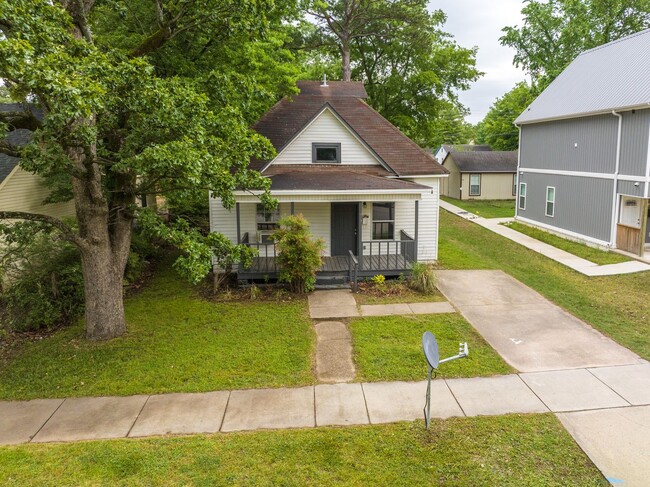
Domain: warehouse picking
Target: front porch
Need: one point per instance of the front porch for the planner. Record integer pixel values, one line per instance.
(389, 258)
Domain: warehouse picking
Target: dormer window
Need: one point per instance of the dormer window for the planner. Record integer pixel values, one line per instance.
(325, 153)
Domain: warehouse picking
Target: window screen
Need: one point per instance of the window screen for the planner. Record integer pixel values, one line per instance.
(383, 221)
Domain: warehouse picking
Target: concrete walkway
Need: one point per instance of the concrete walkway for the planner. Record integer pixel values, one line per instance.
(578, 264)
(340, 303)
(50, 420)
(528, 331)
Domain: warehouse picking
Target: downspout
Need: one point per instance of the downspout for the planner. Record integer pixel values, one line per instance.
(612, 242)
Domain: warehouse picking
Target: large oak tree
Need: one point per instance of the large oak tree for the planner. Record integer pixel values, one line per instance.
(117, 117)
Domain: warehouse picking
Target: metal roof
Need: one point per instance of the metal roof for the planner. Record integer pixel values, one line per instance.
(614, 76)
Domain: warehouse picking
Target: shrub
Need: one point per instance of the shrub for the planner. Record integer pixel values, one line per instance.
(45, 286)
(379, 281)
(299, 254)
(423, 278)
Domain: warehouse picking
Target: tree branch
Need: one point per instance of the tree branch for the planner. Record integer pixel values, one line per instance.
(66, 232)
(20, 120)
(9, 149)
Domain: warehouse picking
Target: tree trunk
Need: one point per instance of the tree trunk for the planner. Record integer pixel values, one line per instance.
(345, 61)
(103, 274)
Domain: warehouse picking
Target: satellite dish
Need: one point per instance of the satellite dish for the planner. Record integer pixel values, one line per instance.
(430, 348)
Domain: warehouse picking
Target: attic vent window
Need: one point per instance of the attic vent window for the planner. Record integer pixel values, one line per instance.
(326, 153)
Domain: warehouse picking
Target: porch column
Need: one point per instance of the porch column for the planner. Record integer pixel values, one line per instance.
(417, 220)
(238, 225)
(293, 208)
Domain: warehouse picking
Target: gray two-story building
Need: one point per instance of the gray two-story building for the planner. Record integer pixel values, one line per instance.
(584, 150)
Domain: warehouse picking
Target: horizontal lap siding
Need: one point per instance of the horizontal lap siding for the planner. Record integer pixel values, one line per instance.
(582, 205)
(326, 129)
(428, 220)
(319, 217)
(494, 186)
(24, 191)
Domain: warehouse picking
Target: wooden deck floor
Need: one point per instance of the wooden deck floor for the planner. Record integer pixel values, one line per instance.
(338, 264)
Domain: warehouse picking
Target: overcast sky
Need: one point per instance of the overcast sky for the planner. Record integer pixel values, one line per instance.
(479, 23)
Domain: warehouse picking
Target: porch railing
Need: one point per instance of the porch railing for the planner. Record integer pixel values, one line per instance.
(388, 255)
(352, 271)
(266, 260)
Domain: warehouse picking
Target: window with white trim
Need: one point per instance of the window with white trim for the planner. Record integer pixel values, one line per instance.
(475, 185)
(550, 201)
(514, 184)
(383, 221)
(522, 196)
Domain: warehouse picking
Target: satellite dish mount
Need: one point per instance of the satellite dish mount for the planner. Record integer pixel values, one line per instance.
(432, 354)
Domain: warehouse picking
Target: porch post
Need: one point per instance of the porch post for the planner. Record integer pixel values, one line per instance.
(238, 225)
(417, 221)
(360, 230)
(293, 208)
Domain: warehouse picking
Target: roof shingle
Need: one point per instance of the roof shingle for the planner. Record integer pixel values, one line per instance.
(492, 161)
(285, 120)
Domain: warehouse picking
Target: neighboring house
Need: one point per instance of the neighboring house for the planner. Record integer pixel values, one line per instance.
(480, 175)
(445, 149)
(21, 190)
(366, 189)
(584, 148)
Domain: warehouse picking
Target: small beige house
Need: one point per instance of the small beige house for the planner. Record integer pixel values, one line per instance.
(21, 190)
(487, 175)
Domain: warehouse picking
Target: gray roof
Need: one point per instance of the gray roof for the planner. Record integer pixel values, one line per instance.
(466, 148)
(18, 137)
(493, 161)
(614, 76)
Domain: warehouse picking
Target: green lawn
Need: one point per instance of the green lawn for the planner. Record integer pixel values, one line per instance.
(485, 208)
(390, 348)
(619, 306)
(515, 450)
(596, 256)
(176, 342)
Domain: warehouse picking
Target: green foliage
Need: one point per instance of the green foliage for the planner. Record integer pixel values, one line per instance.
(379, 281)
(44, 282)
(411, 67)
(423, 279)
(198, 251)
(555, 32)
(497, 129)
(299, 254)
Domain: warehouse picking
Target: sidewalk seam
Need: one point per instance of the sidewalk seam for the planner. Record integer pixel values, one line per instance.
(137, 416)
(47, 420)
(365, 401)
(608, 386)
(225, 409)
(534, 393)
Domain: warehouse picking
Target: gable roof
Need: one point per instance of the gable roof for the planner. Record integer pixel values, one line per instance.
(492, 161)
(614, 76)
(288, 117)
(466, 147)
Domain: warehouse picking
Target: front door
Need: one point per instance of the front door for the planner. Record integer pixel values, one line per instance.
(344, 228)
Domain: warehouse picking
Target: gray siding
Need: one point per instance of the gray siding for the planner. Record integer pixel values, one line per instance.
(628, 188)
(634, 142)
(582, 205)
(551, 145)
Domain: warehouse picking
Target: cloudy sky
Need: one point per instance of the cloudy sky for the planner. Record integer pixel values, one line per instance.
(479, 23)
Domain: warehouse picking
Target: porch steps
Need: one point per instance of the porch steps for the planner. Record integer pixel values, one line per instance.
(332, 281)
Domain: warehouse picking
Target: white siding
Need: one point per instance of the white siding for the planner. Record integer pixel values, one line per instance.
(404, 220)
(222, 220)
(319, 217)
(326, 128)
(428, 220)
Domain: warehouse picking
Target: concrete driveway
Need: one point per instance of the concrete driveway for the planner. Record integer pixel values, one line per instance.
(529, 332)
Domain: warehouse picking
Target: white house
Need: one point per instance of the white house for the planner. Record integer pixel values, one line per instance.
(366, 189)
